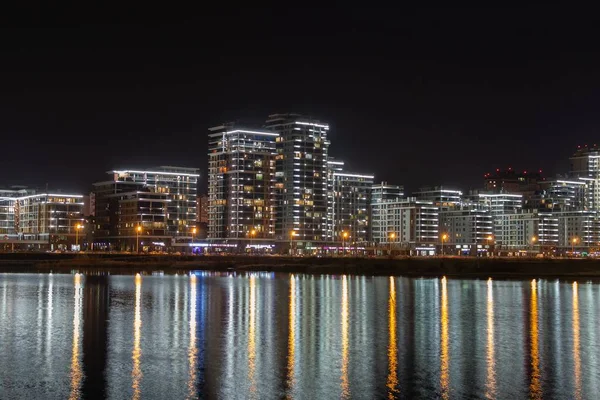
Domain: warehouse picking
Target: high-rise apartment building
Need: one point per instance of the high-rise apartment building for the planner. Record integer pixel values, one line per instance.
(406, 225)
(468, 230)
(41, 220)
(165, 205)
(301, 177)
(351, 193)
(585, 166)
(241, 183)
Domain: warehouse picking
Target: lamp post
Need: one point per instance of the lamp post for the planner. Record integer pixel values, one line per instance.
(392, 237)
(573, 243)
(252, 234)
(138, 229)
(194, 230)
(77, 228)
(292, 233)
(489, 239)
(444, 238)
(344, 237)
(533, 240)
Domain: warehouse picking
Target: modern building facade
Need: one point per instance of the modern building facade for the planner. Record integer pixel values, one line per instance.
(241, 183)
(467, 230)
(181, 187)
(301, 178)
(40, 220)
(585, 166)
(442, 197)
(517, 231)
(407, 225)
(351, 198)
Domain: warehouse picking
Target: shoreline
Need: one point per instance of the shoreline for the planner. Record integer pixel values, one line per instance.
(451, 267)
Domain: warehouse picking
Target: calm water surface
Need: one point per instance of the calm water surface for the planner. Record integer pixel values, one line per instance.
(294, 336)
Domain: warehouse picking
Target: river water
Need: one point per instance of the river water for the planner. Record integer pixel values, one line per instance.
(267, 335)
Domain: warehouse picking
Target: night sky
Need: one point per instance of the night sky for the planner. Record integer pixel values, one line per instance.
(415, 96)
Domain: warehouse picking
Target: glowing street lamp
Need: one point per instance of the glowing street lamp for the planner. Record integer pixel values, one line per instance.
(77, 228)
(138, 229)
(392, 237)
(194, 230)
(489, 239)
(252, 234)
(573, 243)
(344, 237)
(444, 238)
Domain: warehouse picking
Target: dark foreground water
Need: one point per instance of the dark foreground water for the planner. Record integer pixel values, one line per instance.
(293, 336)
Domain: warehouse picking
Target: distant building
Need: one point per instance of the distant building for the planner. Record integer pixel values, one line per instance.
(301, 178)
(585, 166)
(517, 231)
(350, 205)
(40, 220)
(406, 225)
(468, 230)
(511, 181)
(241, 183)
(161, 200)
(442, 197)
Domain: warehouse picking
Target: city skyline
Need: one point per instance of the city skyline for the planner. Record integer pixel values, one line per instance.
(425, 88)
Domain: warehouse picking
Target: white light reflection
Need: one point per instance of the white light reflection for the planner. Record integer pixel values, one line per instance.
(345, 384)
(136, 373)
(193, 349)
(490, 386)
(76, 370)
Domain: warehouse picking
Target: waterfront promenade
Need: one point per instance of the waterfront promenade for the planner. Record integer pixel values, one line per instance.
(463, 267)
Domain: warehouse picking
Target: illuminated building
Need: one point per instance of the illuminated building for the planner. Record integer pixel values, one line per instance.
(517, 231)
(468, 229)
(499, 203)
(442, 197)
(333, 166)
(408, 225)
(301, 177)
(350, 205)
(127, 212)
(40, 220)
(586, 167)
(181, 187)
(241, 179)
(558, 195)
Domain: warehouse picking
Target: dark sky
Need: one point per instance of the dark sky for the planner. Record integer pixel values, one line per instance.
(416, 96)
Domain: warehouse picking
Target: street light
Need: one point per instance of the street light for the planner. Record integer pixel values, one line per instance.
(444, 238)
(252, 234)
(489, 239)
(573, 243)
(194, 230)
(138, 229)
(77, 228)
(392, 237)
(344, 237)
(533, 240)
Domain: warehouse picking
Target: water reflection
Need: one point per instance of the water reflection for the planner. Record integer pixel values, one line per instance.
(291, 358)
(244, 336)
(252, 337)
(535, 388)
(193, 349)
(136, 373)
(576, 355)
(392, 380)
(345, 385)
(490, 385)
(76, 370)
(444, 353)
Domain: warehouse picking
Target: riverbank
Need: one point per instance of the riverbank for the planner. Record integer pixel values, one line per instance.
(456, 267)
